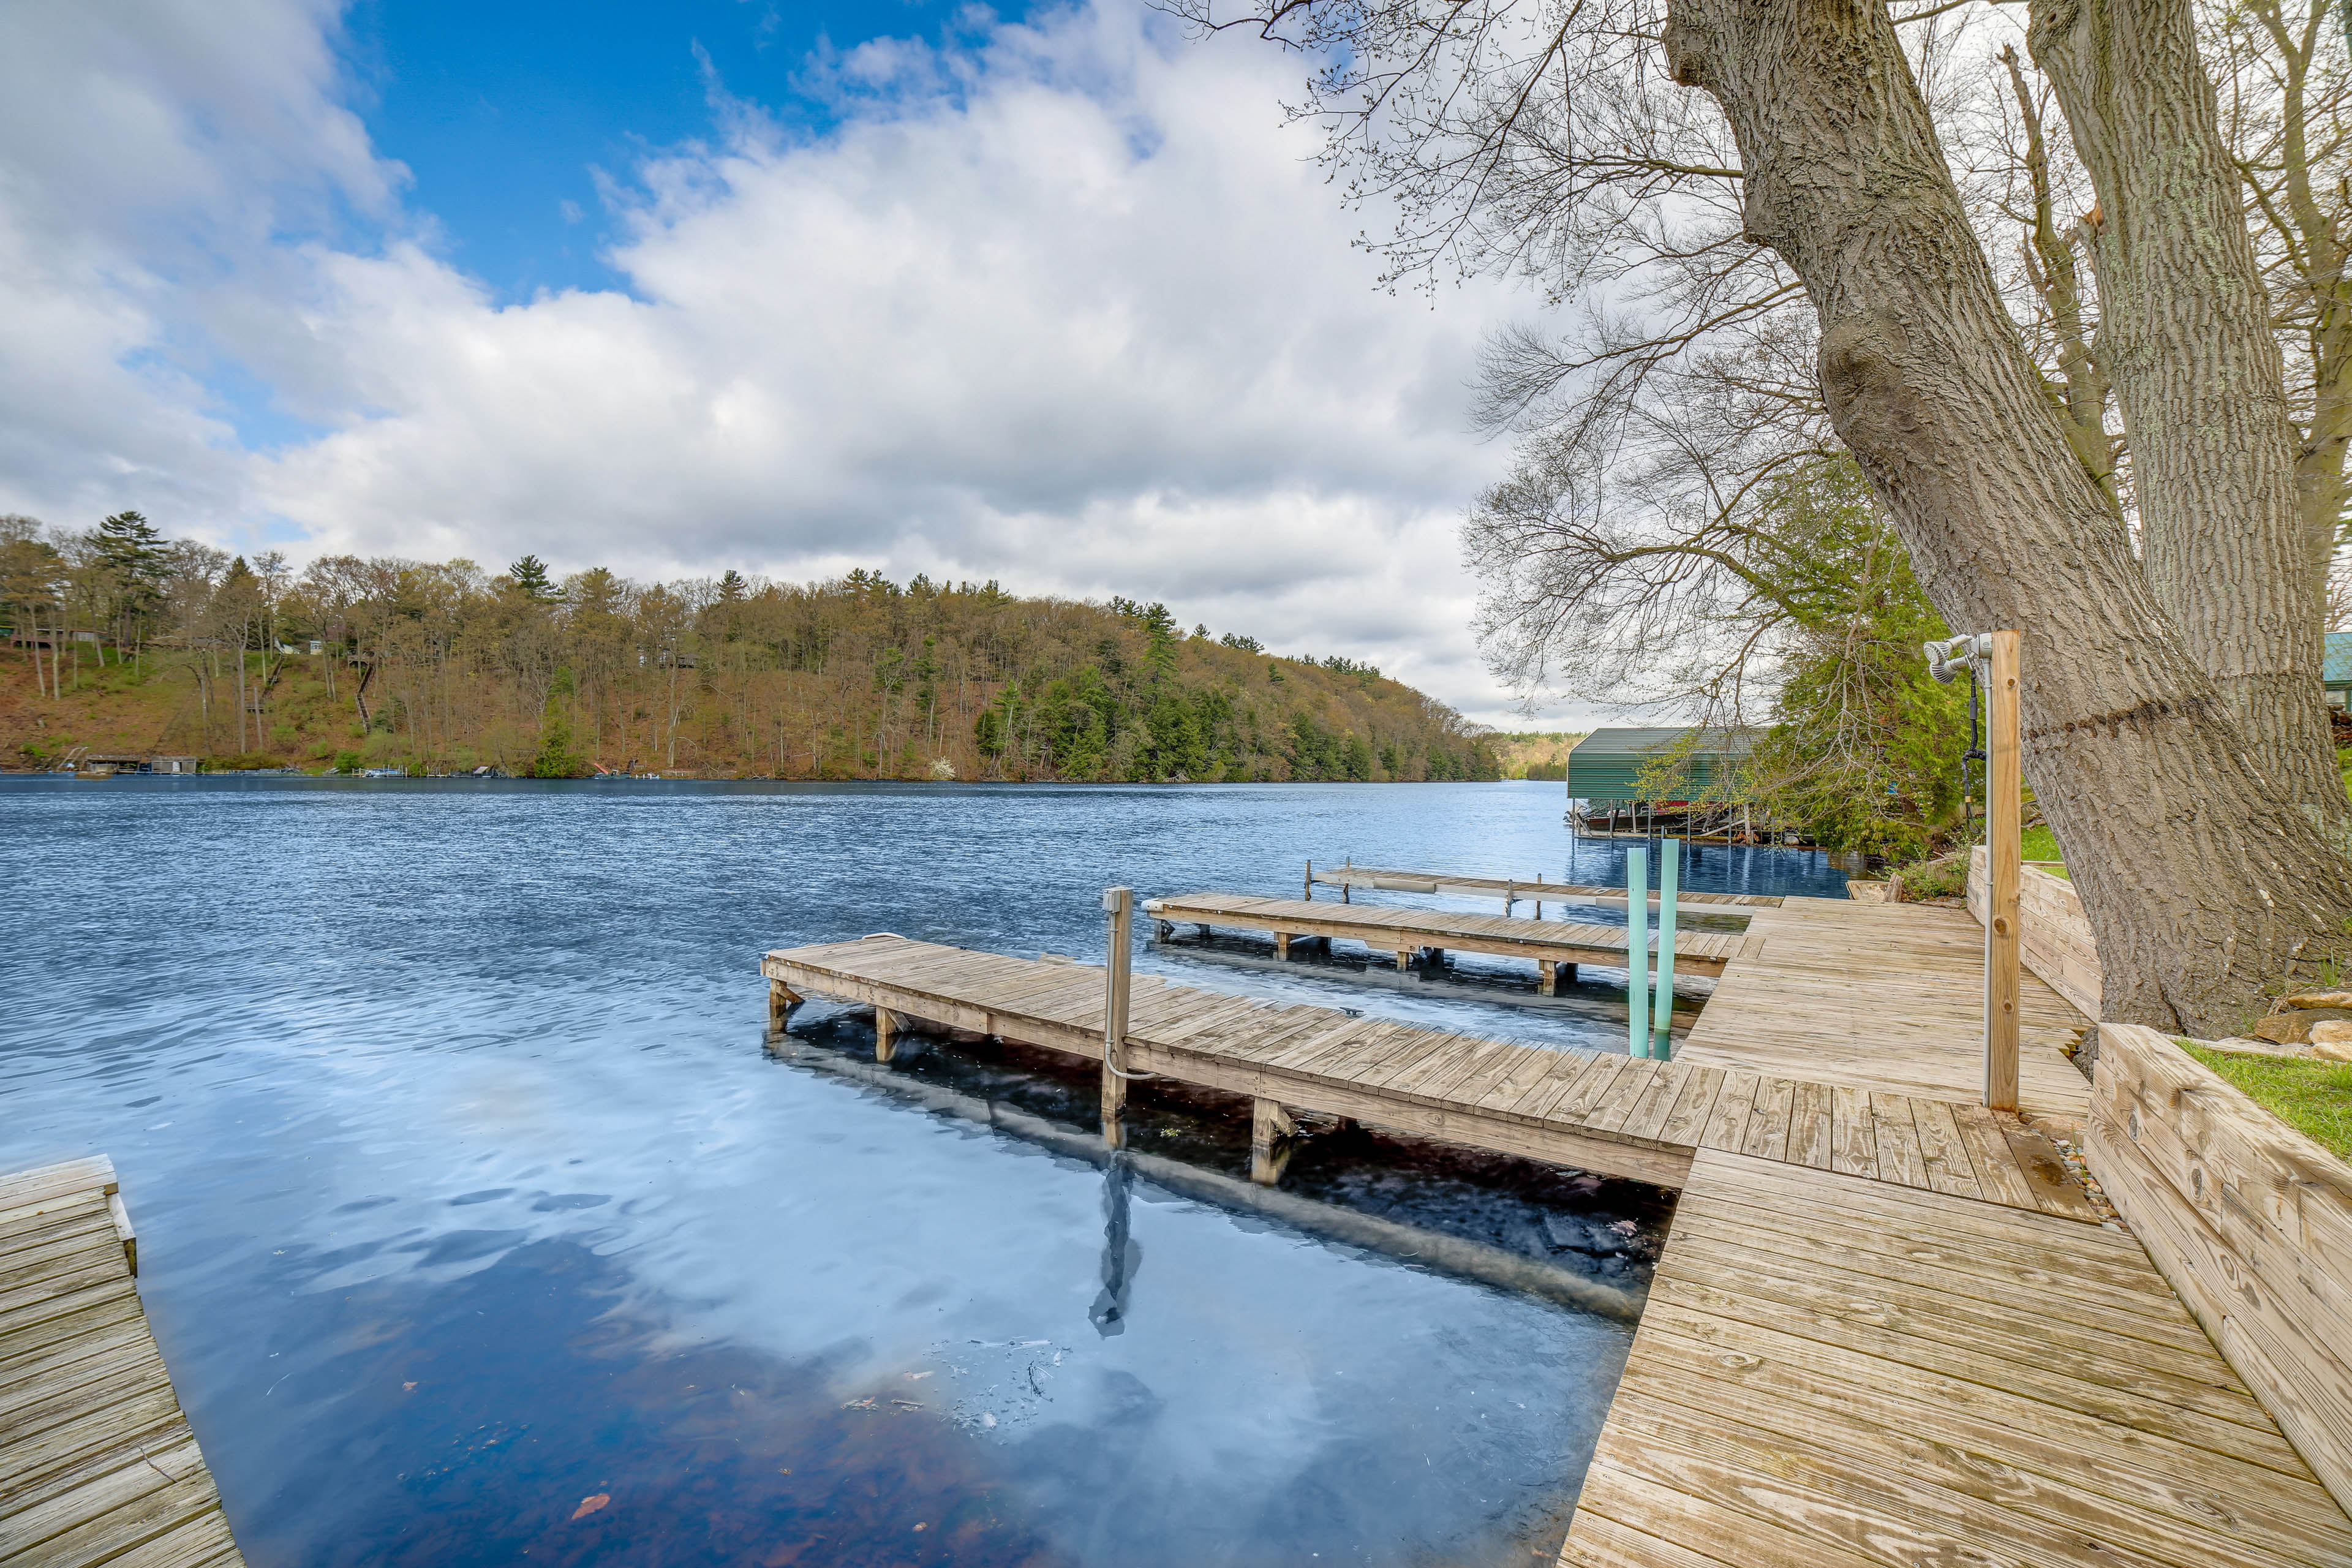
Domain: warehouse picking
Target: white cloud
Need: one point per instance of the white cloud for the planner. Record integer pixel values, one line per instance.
(1067, 308)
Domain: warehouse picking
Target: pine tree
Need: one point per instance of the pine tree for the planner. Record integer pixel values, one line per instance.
(529, 574)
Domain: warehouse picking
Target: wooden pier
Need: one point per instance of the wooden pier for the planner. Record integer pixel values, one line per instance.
(1595, 1111)
(1515, 890)
(97, 1463)
(1883, 997)
(1554, 945)
(1888, 1329)
(1836, 1372)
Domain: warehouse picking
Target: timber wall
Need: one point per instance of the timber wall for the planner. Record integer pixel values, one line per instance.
(2249, 1221)
(2053, 936)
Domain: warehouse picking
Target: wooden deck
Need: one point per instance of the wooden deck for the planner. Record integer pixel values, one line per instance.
(1513, 890)
(97, 1463)
(1599, 1112)
(1406, 932)
(1835, 1373)
(1881, 997)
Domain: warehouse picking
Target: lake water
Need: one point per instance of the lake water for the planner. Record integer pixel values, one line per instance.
(466, 1195)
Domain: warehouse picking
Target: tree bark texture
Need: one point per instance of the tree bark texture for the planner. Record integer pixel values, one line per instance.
(2186, 335)
(2206, 886)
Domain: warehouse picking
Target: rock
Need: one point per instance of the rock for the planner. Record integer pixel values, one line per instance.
(2238, 1045)
(2293, 1028)
(2317, 999)
(2331, 1032)
(2333, 1051)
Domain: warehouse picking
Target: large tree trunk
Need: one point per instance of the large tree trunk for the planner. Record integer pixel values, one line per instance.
(2185, 329)
(2206, 887)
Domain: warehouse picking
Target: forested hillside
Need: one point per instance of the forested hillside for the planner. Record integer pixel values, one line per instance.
(442, 667)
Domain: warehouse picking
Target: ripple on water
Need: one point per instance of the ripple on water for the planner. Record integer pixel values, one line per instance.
(467, 1196)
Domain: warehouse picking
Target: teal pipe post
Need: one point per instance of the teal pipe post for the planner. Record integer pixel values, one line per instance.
(1637, 951)
(1670, 876)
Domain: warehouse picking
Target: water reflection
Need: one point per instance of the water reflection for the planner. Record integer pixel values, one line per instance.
(466, 1195)
(1121, 1254)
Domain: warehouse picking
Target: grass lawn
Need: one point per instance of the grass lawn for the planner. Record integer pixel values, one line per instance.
(2312, 1097)
(2041, 844)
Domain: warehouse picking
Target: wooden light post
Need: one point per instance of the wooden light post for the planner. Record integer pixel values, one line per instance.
(2004, 848)
(1993, 656)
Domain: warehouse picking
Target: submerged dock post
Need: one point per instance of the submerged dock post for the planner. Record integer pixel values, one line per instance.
(782, 1000)
(886, 1034)
(1120, 904)
(1670, 876)
(1271, 1130)
(1637, 951)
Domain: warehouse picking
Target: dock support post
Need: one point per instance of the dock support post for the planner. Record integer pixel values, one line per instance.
(1271, 1130)
(1120, 904)
(1404, 959)
(2004, 847)
(1547, 977)
(1637, 951)
(886, 1034)
(1670, 876)
(1282, 946)
(782, 1000)
(1311, 882)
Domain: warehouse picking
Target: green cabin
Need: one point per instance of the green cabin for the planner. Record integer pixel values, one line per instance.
(1607, 765)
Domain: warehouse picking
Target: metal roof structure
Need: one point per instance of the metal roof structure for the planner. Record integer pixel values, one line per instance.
(1609, 765)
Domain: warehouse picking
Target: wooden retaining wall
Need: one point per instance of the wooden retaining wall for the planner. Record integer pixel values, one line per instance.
(2249, 1221)
(2053, 936)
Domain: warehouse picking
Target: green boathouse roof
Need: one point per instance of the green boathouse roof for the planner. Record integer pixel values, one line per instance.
(1609, 765)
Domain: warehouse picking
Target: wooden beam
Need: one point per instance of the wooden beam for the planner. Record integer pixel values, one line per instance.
(782, 1000)
(1120, 904)
(1271, 1130)
(2004, 848)
(886, 1034)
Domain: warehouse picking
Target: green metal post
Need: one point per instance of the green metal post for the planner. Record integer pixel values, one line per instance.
(1670, 876)
(1637, 951)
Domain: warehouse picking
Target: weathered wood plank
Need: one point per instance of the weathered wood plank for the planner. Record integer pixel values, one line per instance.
(96, 1464)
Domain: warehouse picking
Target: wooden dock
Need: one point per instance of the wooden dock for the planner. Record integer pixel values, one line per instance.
(1888, 1328)
(97, 1463)
(1836, 1372)
(1407, 933)
(1514, 891)
(1881, 997)
(1595, 1111)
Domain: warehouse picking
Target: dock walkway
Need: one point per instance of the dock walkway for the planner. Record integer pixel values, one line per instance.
(97, 1463)
(1885, 1330)
(1835, 1372)
(1404, 932)
(1882, 997)
(1514, 891)
(1596, 1110)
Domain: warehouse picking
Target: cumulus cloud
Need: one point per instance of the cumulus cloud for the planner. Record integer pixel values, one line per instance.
(1060, 303)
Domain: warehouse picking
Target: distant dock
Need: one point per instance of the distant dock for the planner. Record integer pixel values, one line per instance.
(1554, 945)
(97, 1462)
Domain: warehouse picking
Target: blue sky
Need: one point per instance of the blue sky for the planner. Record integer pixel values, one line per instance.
(504, 113)
(1054, 297)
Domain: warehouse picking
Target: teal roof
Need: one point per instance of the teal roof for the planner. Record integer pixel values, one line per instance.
(1607, 765)
(2339, 659)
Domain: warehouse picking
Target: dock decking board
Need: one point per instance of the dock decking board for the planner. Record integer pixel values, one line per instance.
(1838, 1370)
(97, 1463)
(1388, 931)
(1886, 997)
(1596, 1110)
